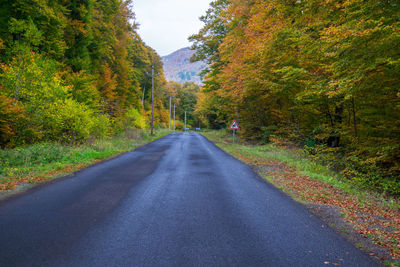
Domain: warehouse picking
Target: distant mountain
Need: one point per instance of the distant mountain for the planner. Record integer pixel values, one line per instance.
(177, 67)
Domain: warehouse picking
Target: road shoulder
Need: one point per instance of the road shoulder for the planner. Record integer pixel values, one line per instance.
(21, 180)
(369, 224)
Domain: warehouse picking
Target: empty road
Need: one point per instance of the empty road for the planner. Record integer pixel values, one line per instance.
(179, 201)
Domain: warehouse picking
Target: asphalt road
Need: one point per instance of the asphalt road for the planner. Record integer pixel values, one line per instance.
(179, 201)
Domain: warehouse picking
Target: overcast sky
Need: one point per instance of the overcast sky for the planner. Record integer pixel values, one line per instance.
(165, 25)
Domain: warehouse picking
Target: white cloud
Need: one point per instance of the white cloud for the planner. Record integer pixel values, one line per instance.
(165, 25)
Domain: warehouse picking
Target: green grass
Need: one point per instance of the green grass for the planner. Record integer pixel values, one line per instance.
(303, 164)
(50, 160)
(294, 158)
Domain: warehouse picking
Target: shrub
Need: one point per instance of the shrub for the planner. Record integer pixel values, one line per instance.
(101, 126)
(178, 125)
(133, 119)
(67, 121)
(356, 168)
(14, 126)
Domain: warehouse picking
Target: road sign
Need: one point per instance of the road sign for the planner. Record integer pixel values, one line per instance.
(234, 126)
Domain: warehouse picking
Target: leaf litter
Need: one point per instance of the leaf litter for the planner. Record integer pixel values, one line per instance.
(367, 224)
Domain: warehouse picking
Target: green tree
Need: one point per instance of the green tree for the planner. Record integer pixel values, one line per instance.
(318, 72)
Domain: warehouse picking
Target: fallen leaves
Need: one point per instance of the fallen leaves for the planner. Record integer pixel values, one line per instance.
(35, 178)
(380, 224)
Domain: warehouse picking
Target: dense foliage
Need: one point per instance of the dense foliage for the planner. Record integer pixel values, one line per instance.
(73, 70)
(319, 72)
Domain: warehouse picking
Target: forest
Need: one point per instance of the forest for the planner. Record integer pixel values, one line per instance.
(74, 70)
(321, 74)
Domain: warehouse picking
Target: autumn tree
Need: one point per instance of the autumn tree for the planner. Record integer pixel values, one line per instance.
(319, 72)
(71, 70)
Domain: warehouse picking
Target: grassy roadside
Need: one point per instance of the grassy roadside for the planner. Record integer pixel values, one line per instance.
(26, 166)
(353, 212)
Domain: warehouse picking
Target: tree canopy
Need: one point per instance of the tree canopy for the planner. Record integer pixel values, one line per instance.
(321, 73)
(71, 70)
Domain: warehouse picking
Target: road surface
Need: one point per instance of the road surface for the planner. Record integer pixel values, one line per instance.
(179, 201)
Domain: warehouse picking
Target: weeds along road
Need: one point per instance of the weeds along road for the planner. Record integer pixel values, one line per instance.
(179, 201)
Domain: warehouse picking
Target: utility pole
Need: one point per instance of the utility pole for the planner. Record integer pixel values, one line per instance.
(174, 117)
(152, 99)
(169, 120)
(144, 90)
(185, 120)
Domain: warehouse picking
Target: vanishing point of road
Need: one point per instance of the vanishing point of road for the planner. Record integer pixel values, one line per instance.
(179, 201)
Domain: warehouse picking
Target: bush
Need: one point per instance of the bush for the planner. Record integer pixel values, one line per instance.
(178, 125)
(67, 121)
(266, 133)
(132, 119)
(101, 126)
(310, 143)
(366, 174)
(14, 124)
(355, 168)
